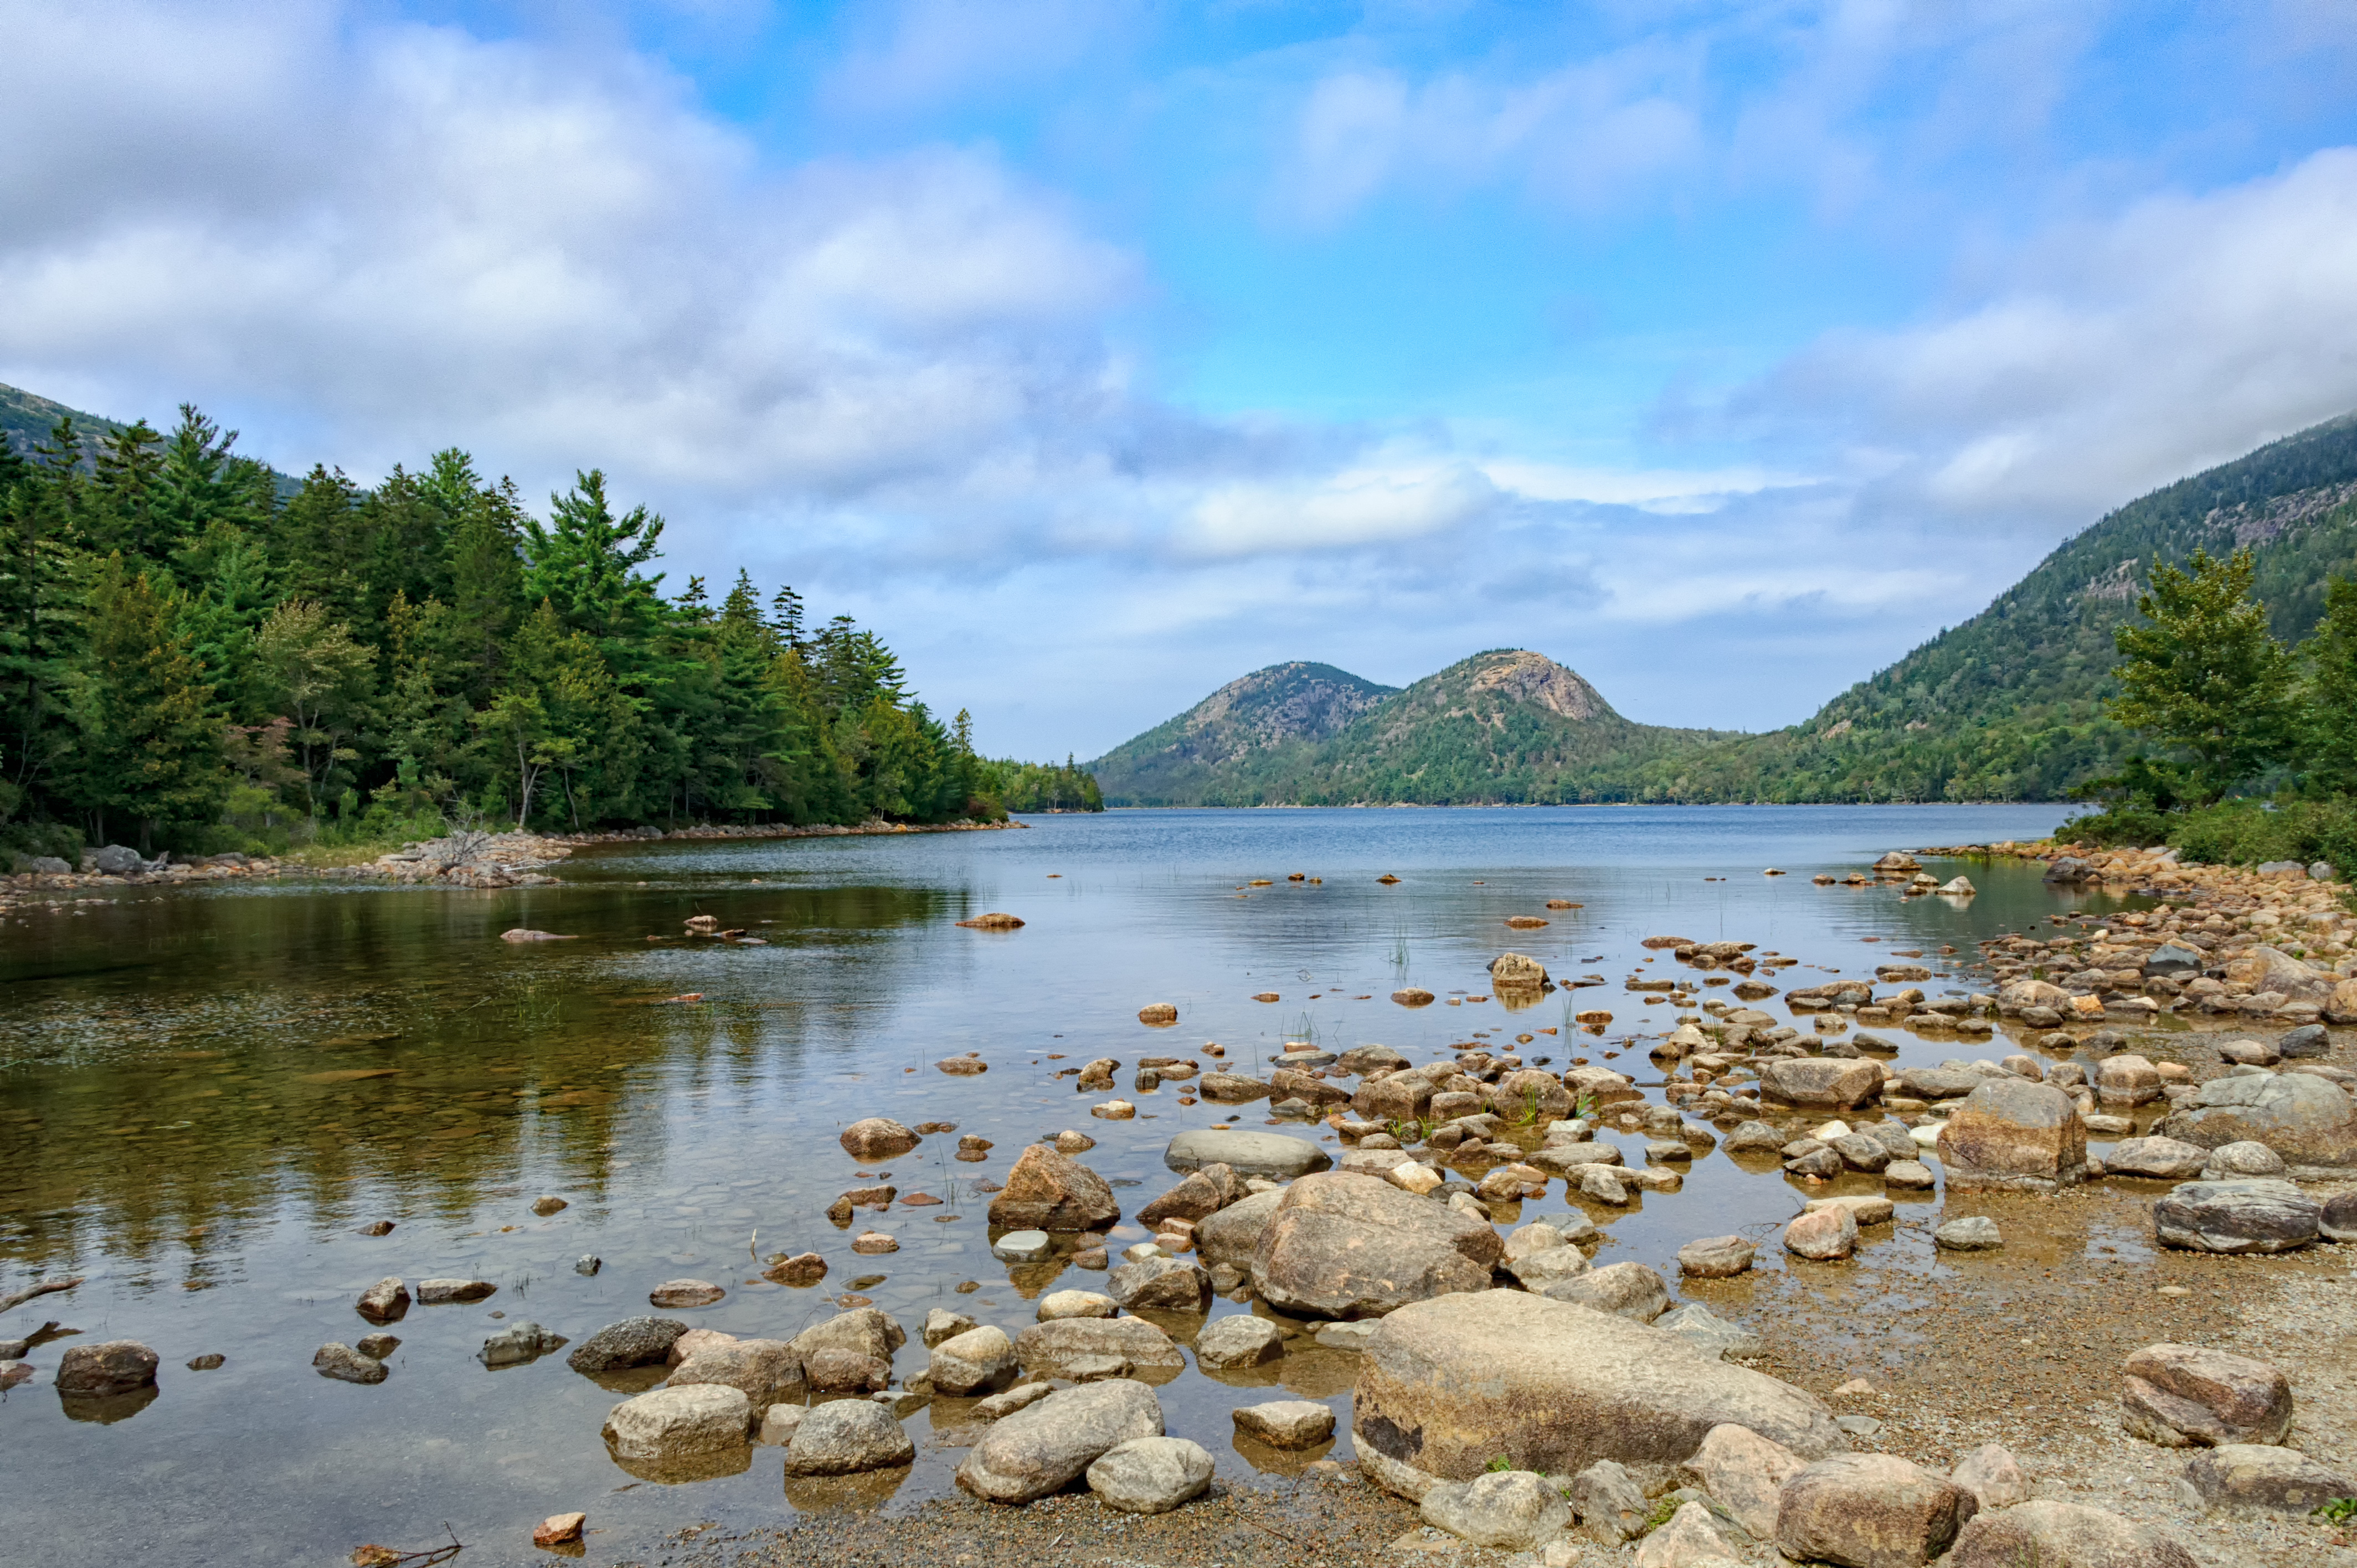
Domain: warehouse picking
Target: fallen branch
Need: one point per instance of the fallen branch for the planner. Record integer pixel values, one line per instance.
(47, 1287)
(374, 1556)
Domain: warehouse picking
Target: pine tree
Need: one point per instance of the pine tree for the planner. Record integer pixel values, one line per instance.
(2330, 743)
(151, 739)
(2204, 674)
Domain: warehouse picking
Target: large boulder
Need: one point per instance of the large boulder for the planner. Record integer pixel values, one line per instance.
(105, 1369)
(1446, 1385)
(1166, 1284)
(1066, 1347)
(2261, 1476)
(1344, 1246)
(1528, 1096)
(1046, 1191)
(2013, 1133)
(2158, 1159)
(1272, 1154)
(2302, 1117)
(1839, 1083)
(1869, 1510)
(2020, 995)
(1517, 971)
(877, 1138)
(862, 1331)
(2126, 1080)
(1233, 1235)
(633, 1342)
(680, 1424)
(763, 1368)
(2063, 1535)
(848, 1437)
(2253, 1216)
(2265, 968)
(1395, 1096)
(1044, 1447)
(1206, 1191)
(1510, 1510)
(1632, 1289)
(1150, 1475)
(974, 1362)
(2183, 1396)
(1744, 1474)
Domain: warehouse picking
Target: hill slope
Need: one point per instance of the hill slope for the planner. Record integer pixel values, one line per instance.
(27, 417)
(2009, 704)
(1504, 726)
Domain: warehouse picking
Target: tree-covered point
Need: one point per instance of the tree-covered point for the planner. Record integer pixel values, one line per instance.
(201, 657)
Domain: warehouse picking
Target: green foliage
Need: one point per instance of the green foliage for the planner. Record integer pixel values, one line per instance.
(2329, 747)
(2205, 675)
(194, 649)
(2236, 832)
(2340, 1510)
(1039, 786)
(1499, 1462)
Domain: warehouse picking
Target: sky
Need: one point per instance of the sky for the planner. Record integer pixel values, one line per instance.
(1096, 352)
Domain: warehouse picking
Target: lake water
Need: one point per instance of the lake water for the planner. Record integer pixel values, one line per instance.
(207, 1092)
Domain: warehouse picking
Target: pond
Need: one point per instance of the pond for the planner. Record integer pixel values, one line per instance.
(209, 1093)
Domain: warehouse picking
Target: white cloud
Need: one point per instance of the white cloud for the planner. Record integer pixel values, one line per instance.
(2110, 356)
(1358, 506)
(1649, 490)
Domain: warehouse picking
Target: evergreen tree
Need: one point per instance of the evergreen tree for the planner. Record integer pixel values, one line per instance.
(2204, 674)
(2330, 743)
(151, 739)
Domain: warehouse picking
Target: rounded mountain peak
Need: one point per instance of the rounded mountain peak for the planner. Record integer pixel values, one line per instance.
(1520, 675)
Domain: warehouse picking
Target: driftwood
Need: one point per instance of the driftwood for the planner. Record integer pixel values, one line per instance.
(47, 1287)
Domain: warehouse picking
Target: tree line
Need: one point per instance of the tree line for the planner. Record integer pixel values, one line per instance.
(204, 654)
(2252, 742)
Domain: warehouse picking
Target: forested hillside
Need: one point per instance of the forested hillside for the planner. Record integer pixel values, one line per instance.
(2009, 704)
(193, 658)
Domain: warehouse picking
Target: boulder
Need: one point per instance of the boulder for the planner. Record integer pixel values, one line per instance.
(2126, 1080)
(1511, 1510)
(2015, 1134)
(1625, 1290)
(1043, 1448)
(848, 1437)
(2261, 1476)
(2341, 1007)
(2250, 1216)
(387, 1301)
(109, 1368)
(114, 860)
(1272, 1155)
(677, 1293)
(1609, 1501)
(1517, 971)
(2337, 1222)
(517, 1344)
(1359, 1061)
(845, 1372)
(2307, 1040)
(1446, 1385)
(1232, 1089)
(763, 1368)
(1287, 1423)
(1150, 1475)
(1067, 1344)
(1974, 1233)
(2183, 1396)
(1823, 1235)
(1993, 1475)
(1396, 1097)
(2157, 1159)
(2265, 968)
(863, 1331)
(979, 1361)
(1938, 1082)
(1869, 1510)
(453, 1293)
(2021, 997)
(1233, 1235)
(942, 1324)
(1163, 1283)
(1688, 1539)
(1204, 1193)
(2174, 961)
(1536, 1271)
(1284, 1084)
(877, 1138)
(337, 1360)
(1238, 1340)
(1754, 1138)
(778, 1423)
(2062, 1535)
(1745, 1474)
(2228, 1161)
(1833, 1082)
(1059, 1303)
(1047, 1191)
(676, 1424)
(1708, 1332)
(633, 1342)
(2301, 1117)
(1346, 1246)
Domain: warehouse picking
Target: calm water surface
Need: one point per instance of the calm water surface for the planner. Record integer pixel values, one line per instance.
(205, 1094)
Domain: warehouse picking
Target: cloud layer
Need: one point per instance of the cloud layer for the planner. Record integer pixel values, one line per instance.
(931, 383)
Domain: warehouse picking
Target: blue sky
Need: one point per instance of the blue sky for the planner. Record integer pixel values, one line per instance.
(1097, 353)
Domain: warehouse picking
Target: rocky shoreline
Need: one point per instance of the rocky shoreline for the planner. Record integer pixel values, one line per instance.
(456, 860)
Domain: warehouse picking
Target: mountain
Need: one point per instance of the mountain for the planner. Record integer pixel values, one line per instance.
(1508, 726)
(2009, 705)
(27, 417)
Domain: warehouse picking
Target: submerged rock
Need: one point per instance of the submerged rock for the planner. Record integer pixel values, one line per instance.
(341, 1361)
